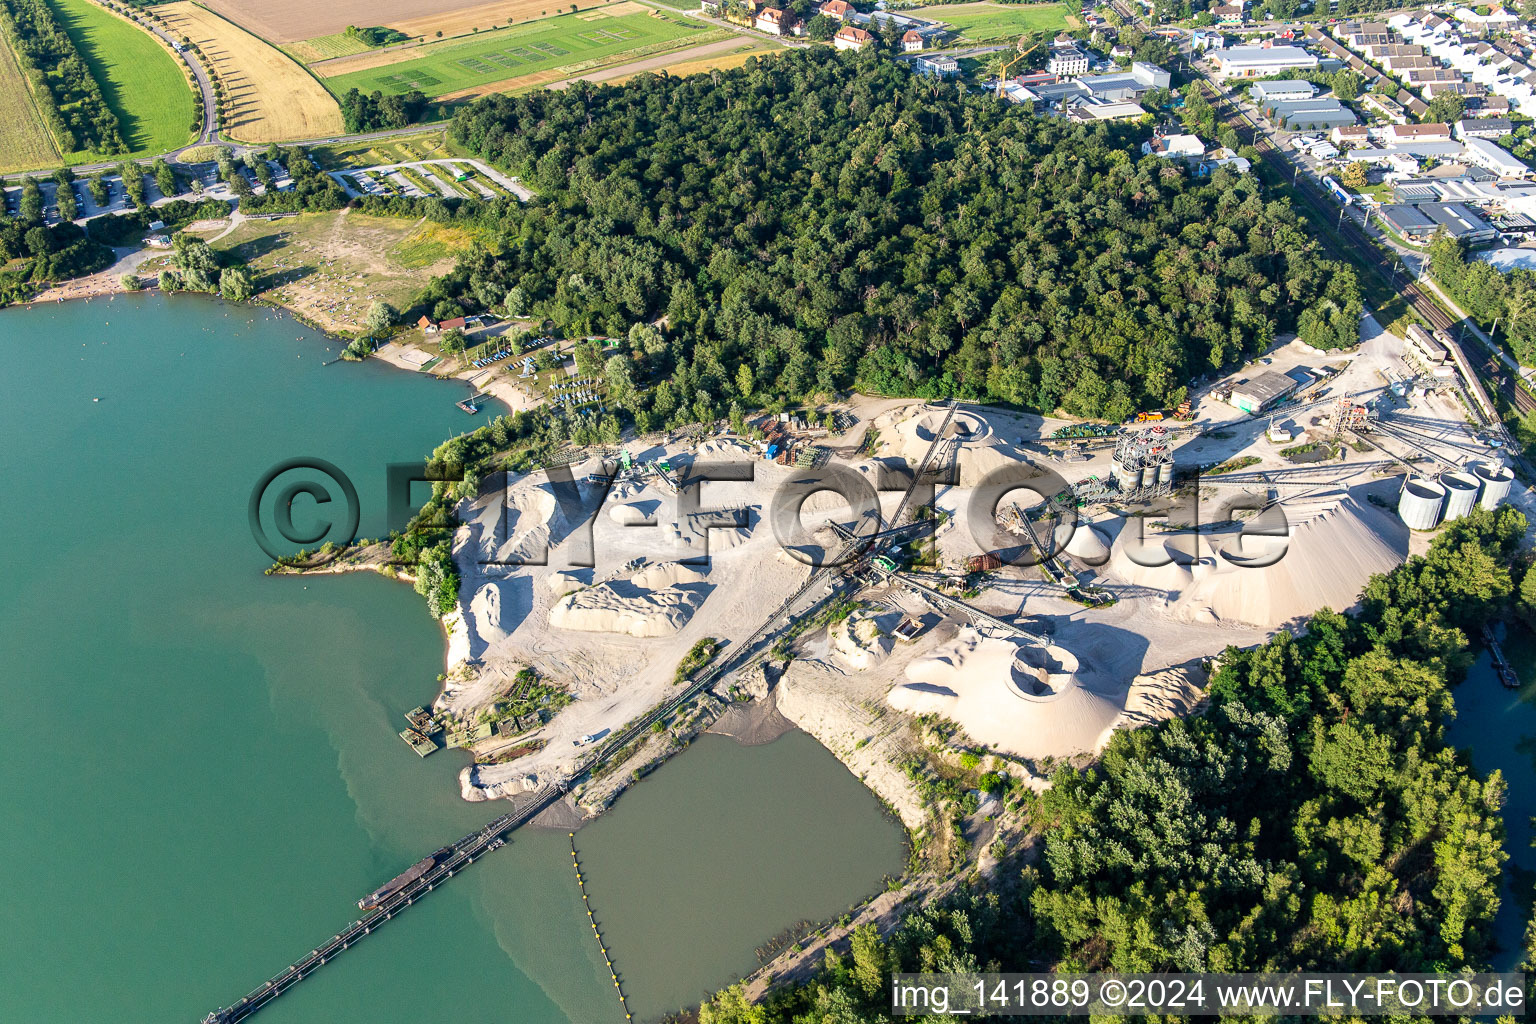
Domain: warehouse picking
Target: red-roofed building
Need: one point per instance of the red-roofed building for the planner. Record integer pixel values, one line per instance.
(911, 42)
(842, 10)
(448, 325)
(774, 21)
(426, 324)
(850, 38)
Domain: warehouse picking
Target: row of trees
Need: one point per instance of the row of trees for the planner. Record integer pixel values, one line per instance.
(1315, 818)
(68, 95)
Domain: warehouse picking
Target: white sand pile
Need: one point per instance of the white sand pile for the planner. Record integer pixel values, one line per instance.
(1088, 545)
(1025, 702)
(657, 600)
(1157, 696)
(1326, 562)
(632, 514)
(486, 613)
(859, 641)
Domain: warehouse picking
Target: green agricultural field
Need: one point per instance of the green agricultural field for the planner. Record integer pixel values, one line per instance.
(24, 142)
(325, 47)
(514, 52)
(996, 21)
(143, 85)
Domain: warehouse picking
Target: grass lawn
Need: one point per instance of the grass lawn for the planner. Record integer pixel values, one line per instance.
(430, 243)
(143, 85)
(996, 21)
(24, 143)
(678, 5)
(513, 52)
(330, 270)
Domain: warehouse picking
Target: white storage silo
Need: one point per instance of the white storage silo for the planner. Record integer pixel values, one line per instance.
(1460, 495)
(1419, 504)
(1495, 480)
(1165, 473)
(1149, 476)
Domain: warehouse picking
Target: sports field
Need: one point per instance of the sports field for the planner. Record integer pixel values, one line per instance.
(24, 143)
(272, 98)
(143, 84)
(515, 53)
(997, 21)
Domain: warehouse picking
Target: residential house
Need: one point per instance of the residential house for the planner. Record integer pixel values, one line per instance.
(1230, 14)
(1384, 106)
(1402, 65)
(842, 10)
(850, 37)
(1174, 146)
(1399, 133)
(911, 41)
(1068, 59)
(1350, 136)
(774, 21)
(1484, 128)
(1430, 75)
(1380, 54)
(937, 66)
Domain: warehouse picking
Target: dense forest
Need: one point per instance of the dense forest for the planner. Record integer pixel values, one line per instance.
(68, 96)
(821, 221)
(373, 112)
(1313, 817)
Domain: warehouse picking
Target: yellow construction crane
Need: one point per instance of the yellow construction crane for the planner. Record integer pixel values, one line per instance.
(1002, 76)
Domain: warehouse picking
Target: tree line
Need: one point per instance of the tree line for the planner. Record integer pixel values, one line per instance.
(1314, 818)
(313, 190)
(821, 221)
(68, 95)
(1488, 294)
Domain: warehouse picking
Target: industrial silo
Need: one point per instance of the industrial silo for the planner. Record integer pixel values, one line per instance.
(1149, 476)
(1419, 504)
(1460, 494)
(1165, 473)
(1495, 481)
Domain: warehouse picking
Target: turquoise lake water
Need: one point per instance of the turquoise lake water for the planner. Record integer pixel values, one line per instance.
(202, 771)
(1498, 727)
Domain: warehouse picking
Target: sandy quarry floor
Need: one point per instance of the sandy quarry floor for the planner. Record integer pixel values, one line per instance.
(614, 633)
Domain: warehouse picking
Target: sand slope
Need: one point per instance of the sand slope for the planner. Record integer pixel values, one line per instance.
(656, 600)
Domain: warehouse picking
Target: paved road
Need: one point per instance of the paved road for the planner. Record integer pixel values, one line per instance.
(210, 132)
